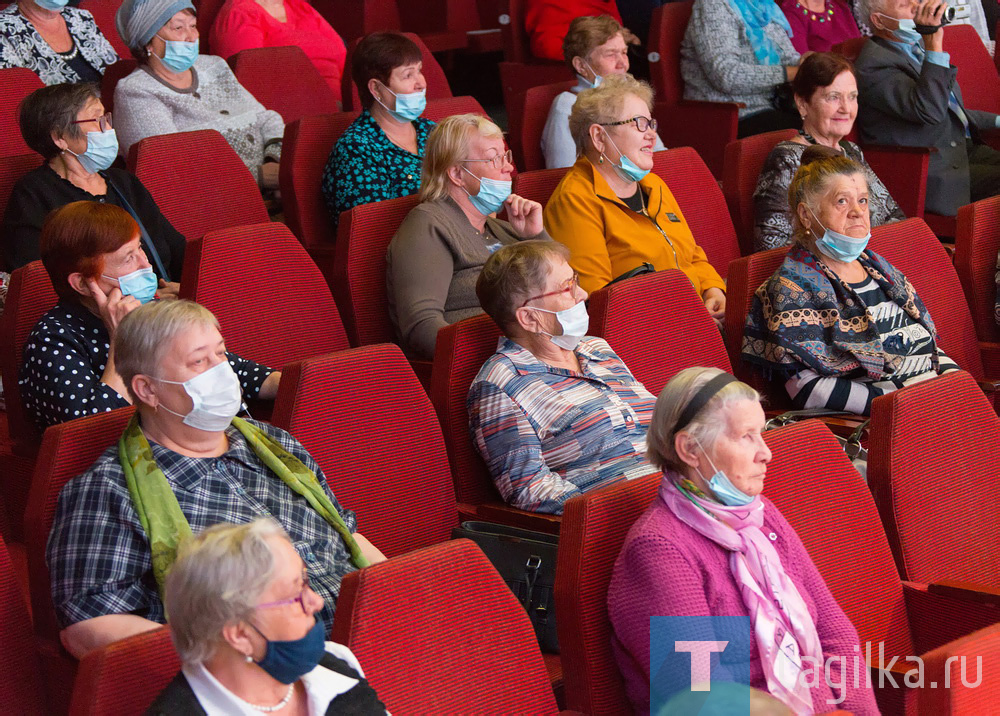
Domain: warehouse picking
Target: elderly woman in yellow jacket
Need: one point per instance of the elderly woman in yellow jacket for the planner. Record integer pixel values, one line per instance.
(609, 210)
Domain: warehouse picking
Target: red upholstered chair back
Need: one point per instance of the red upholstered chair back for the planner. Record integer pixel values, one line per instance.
(68, 449)
(516, 78)
(537, 102)
(938, 533)
(460, 352)
(17, 83)
(438, 109)
(104, 15)
(593, 531)
(744, 160)
(828, 503)
(267, 74)
(745, 276)
(125, 677)
(701, 201)
(207, 10)
(21, 687)
(666, 31)
(437, 82)
(198, 181)
(538, 185)
(977, 243)
(304, 151)
(658, 326)
(263, 266)
(112, 75)
(977, 75)
(444, 613)
(358, 19)
(516, 43)
(380, 448)
(359, 268)
(850, 48)
(913, 248)
(29, 297)
(12, 168)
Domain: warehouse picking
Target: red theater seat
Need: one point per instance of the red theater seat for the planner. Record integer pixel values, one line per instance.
(538, 185)
(977, 243)
(17, 83)
(263, 266)
(444, 613)
(537, 103)
(380, 448)
(284, 79)
(198, 181)
(21, 687)
(658, 326)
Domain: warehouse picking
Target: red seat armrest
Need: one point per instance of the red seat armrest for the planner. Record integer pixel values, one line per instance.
(968, 591)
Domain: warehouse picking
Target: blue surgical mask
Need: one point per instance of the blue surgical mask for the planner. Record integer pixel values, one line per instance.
(179, 55)
(726, 492)
(626, 168)
(53, 5)
(102, 148)
(408, 106)
(575, 322)
(491, 195)
(141, 283)
(907, 30)
(840, 246)
(288, 661)
(587, 83)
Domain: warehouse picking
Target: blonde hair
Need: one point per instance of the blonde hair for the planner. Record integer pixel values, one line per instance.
(817, 167)
(447, 145)
(705, 426)
(587, 33)
(217, 579)
(144, 333)
(603, 105)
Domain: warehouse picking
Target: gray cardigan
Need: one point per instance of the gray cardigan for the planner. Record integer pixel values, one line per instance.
(718, 63)
(432, 265)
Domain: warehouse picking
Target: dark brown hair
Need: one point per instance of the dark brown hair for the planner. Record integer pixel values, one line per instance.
(376, 56)
(820, 69)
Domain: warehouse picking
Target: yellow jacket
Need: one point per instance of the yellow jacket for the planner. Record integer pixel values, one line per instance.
(607, 239)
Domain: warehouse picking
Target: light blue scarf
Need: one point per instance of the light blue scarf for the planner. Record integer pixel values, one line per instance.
(757, 15)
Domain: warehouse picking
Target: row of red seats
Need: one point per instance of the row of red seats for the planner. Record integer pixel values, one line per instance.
(468, 625)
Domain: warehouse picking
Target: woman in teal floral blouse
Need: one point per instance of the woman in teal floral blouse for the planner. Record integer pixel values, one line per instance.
(380, 155)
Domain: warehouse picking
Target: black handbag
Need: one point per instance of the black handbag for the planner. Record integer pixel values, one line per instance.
(643, 268)
(852, 444)
(527, 562)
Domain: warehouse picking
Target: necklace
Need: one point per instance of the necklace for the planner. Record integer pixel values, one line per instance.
(822, 16)
(278, 706)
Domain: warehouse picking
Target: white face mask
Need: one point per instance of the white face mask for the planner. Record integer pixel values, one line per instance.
(574, 322)
(215, 397)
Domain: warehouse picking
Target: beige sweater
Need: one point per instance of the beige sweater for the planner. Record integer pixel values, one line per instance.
(432, 266)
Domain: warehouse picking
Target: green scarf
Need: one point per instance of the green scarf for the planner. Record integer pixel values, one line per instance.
(161, 516)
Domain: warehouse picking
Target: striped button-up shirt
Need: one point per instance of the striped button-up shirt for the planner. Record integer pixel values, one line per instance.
(548, 434)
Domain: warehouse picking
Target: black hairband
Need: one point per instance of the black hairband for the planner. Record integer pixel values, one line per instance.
(701, 398)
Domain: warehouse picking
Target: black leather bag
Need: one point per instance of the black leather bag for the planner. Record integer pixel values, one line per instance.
(527, 562)
(852, 445)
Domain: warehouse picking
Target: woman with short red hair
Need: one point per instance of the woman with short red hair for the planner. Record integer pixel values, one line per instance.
(93, 256)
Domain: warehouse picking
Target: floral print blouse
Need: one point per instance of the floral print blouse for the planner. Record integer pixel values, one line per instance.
(22, 46)
(365, 166)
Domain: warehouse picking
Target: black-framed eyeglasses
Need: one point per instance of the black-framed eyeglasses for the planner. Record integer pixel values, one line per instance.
(641, 123)
(570, 285)
(104, 121)
(498, 160)
(301, 598)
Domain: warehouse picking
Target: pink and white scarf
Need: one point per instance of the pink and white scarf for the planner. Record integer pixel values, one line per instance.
(777, 609)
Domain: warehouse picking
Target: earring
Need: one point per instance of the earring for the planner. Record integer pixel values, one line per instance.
(600, 160)
(249, 658)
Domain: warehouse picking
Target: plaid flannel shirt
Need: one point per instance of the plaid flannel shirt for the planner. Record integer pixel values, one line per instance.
(99, 555)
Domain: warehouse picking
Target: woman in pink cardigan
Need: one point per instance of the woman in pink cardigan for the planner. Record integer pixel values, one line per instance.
(243, 24)
(710, 545)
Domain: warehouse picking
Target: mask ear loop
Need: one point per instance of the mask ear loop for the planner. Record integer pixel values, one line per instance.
(705, 453)
(615, 145)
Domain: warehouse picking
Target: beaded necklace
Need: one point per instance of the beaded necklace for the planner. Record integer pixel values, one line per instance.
(827, 14)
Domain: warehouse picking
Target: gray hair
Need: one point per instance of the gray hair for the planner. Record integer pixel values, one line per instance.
(603, 104)
(143, 334)
(218, 579)
(705, 426)
(869, 7)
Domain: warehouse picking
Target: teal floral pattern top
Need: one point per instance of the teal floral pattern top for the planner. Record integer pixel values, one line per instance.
(365, 166)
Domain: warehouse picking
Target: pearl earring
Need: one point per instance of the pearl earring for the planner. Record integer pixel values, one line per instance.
(600, 160)
(249, 658)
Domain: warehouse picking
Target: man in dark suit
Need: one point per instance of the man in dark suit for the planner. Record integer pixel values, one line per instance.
(909, 96)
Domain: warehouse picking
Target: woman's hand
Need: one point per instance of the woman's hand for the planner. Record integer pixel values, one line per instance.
(525, 216)
(168, 290)
(112, 306)
(269, 175)
(715, 303)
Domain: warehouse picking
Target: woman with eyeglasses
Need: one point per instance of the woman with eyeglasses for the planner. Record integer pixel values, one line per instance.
(68, 126)
(436, 255)
(612, 213)
(243, 620)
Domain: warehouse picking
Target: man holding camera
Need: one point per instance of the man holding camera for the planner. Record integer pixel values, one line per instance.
(909, 97)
